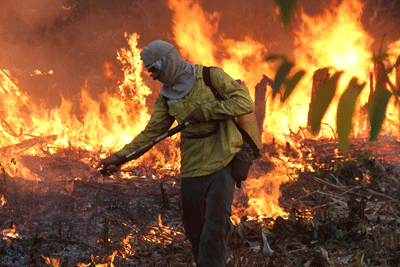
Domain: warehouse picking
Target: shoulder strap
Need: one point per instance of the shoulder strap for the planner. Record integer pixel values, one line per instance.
(207, 81)
(246, 136)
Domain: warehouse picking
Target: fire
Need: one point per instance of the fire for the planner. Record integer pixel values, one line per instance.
(129, 251)
(54, 261)
(112, 121)
(202, 31)
(335, 39)
(3, 200)
(159, 220)
(10, 233)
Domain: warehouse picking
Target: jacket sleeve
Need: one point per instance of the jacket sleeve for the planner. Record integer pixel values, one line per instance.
(160, 122)
(237, 101)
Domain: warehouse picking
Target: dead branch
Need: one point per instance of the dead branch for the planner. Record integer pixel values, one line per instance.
(29, 143)
(383, 195)
(164, 196)
(260, 101)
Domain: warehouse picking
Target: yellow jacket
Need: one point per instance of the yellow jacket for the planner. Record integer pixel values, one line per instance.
(206, 155)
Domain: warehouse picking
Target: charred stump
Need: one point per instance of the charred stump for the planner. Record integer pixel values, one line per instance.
(260, 101)
(397, 90)
(397, 66)
(320, 77)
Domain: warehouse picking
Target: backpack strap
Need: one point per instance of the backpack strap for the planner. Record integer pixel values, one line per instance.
(246, 136)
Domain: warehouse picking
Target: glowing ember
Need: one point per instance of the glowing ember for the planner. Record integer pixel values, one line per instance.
(110, 260)
(159, 220)
(10, 233)
(129, 250)
(3, 200)
(55, 262)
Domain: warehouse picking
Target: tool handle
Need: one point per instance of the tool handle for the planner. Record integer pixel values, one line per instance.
(143, 149)
(178, 128)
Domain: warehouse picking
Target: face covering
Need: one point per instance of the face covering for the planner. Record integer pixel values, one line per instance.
(155, 68)
(177, 75)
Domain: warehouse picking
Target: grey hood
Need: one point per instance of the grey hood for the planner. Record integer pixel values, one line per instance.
(177, 75)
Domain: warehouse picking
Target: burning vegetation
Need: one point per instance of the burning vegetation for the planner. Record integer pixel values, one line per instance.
(324, 193)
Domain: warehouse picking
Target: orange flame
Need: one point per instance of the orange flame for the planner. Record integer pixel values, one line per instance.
(111, 121)
(159, 220)
(3, 200)
(333, 39)
(55, 262)
(129, 251)
(10, 233)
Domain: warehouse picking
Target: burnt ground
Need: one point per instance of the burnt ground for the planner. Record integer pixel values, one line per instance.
(343, 211)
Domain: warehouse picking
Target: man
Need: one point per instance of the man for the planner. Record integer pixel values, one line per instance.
(207, 145)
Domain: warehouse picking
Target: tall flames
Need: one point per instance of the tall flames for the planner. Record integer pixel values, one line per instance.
(334, 39)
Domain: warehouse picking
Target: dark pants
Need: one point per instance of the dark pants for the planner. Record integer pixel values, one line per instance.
(206, 203)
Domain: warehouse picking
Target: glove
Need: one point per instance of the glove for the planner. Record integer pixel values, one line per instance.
(195, 117)
(106, 162)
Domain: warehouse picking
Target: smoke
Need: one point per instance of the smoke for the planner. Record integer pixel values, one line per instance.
(75, 37)
(32, 12)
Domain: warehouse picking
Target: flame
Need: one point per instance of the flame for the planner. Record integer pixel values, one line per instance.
(3, 200)
(335, 39)
(10, 233)
(129, 251)
(244, 60)
(83, 123)
(338, 40)
(159, 220)
(54, 261)
(109, 261)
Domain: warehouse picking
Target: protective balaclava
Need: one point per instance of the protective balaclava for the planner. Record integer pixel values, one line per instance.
(177, 75)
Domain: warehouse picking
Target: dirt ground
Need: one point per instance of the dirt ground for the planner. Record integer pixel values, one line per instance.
(343, 210)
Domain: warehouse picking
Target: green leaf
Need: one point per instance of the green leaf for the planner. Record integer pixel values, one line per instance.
(286, 8)
(291, 84)
(377, 110)
(322, 101)
(335, 167)
(345, 112)
(280, 76)
(340, 234)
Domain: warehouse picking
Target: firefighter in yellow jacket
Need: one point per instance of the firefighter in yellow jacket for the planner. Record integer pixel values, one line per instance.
(207, 145)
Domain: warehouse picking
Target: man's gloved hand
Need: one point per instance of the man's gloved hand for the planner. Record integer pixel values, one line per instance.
(195, 117)
(107, 161)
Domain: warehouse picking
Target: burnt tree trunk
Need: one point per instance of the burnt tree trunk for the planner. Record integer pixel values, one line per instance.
(320, 77)
(397, 92)
(260, 101)
(397, 66)
(380, 74)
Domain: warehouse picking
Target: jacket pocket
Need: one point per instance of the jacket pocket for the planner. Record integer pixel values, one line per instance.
(176, 110)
